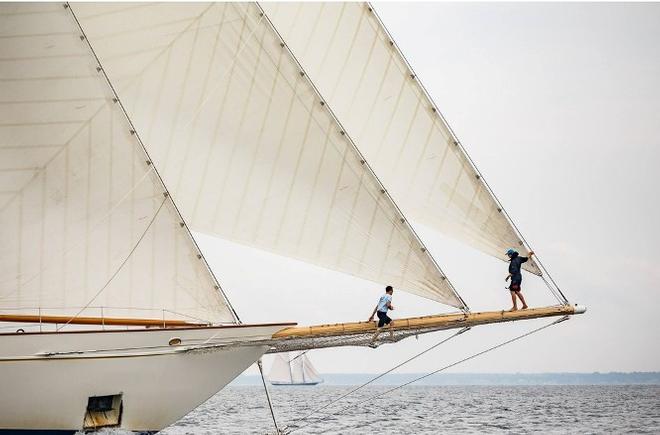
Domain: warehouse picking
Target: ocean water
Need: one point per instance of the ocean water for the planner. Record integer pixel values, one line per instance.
(580, 409)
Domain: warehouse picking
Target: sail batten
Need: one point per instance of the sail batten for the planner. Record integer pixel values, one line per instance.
(250, 151)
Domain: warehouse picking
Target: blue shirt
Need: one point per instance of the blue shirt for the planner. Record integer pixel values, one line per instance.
(383, 302)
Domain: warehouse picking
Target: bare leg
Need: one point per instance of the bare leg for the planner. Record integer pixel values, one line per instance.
(515, 302)
(522, 299)
(372, 343)
(391, 330)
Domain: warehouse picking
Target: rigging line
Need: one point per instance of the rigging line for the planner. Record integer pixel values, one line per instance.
(462, 148)
(314, 411)
(134, 131)
(465, 308)
(376, 396)
(553, 291)
(270, 405)
(121, 266)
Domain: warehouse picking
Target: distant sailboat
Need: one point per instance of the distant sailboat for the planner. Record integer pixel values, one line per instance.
(293, 369)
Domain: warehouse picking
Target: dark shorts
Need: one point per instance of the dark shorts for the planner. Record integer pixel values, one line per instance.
(383, 319)
(515, 286)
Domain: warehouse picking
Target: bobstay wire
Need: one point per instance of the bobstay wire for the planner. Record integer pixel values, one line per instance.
(293, 428)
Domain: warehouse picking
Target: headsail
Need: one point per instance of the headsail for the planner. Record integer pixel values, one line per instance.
(351, 58)
(245, 145)
(84, 219)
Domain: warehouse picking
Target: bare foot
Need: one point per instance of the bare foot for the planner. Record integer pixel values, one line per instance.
(524, 307)
(514, 309)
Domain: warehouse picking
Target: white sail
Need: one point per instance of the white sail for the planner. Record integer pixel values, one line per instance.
(351, 58)
(309, 372)
(245, 145)
(296, 363)
(84, 219)
(280, 371)
(293, 368)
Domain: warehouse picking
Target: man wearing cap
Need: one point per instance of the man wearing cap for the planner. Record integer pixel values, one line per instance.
(515, 263)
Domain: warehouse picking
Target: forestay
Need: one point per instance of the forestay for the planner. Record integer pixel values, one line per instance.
(84, 220)
(358, 69)
(246, 146)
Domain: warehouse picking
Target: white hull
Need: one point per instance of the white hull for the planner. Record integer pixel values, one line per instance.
(159, 383)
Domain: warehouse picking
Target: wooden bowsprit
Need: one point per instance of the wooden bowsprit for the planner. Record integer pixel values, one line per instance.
(362, 333)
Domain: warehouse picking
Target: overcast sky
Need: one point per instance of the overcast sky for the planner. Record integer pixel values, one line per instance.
(559, 105)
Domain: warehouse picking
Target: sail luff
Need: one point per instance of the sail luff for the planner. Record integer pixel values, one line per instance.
(366, 164)
(150, 162)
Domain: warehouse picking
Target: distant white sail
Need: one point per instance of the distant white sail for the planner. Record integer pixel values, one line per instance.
(246, 147)
(83, 217)
(280, 371)
(309, 372)
(350, 57)
(293, 369)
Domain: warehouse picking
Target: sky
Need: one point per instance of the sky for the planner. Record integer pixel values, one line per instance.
(559, 106)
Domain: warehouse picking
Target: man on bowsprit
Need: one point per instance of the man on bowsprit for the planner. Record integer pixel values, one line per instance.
(515, 263)
(384, 304)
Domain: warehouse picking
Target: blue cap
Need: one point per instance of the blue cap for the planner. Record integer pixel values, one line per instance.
(510, 251)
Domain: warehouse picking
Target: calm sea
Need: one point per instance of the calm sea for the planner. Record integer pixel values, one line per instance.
(434, 409)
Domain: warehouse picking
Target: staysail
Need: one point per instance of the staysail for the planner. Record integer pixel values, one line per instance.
(245, 145)
(85, 222)
(351, 58)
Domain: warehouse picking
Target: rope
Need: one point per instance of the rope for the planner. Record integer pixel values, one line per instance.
(560, 297)
(270, 405)
(121, 266)
(314, 411)
(379, 395)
